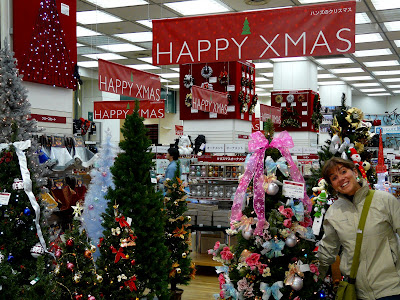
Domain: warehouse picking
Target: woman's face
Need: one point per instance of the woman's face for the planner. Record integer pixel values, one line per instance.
(344, 180)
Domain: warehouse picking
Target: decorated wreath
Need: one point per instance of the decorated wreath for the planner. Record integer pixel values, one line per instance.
(251, 84)
(290, 117)
(243, 81)
(188, 81)
(243, 108)
(206, 71)
(301, 98)
(223, 78)
(241, 97)
(247, 98)
(188, 100)
(253, 104)
(290, 98)
(279, 98)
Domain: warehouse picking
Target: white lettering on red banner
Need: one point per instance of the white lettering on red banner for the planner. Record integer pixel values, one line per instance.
(270, 113)
(120, 109)
(48, 119)
(179, 129)
(210, 101)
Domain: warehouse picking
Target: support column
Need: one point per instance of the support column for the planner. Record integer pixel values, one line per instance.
(5, 21)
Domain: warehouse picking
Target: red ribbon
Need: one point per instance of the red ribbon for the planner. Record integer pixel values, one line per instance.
(122, 221)
(131, 283)
(118, 254)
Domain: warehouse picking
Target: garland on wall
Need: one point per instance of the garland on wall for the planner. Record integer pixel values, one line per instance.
(316, 117)
(290, 117)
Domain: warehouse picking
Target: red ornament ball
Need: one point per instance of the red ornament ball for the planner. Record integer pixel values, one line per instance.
(79, 297)
(88, 254)
(58, 253)
(70, 243)
(91, 297)
(70, 266)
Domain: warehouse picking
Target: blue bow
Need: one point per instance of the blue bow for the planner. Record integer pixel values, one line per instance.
(272, 248)
(222, 269)
(230, 291)
(298, 209)
(273, 290)
(271, 166)
(309, 235)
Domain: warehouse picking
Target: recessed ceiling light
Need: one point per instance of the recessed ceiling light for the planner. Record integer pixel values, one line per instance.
(121, 48)
(397, 42)
(334, 61)
(346, 70)
(372, 90)
(326, 76)
(136, 37)
(368, 37)
(269, 74)
(174, 86)
(364, 84)
(355, 78)
(261, 79)
(362, 18)
(88, 64)
(395, 86)
(392, 26)
(265, 85)
(379, 94)
(144, 67)
(117, 3)
(95, 17)
(331, 82)
(169, 75)
(383, 73)
(82, 31)
(385, 4)
(79, 45)
(284, 59)
(105, 56)
(374, 52)
(146, 59)
(198, 7)
(391, 80)
(147, 23)
(263, 65)
(313, 1)
(382, 63)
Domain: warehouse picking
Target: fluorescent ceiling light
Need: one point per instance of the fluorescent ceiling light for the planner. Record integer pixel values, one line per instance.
(169, 75)
(269, 74)
(313, 1)
(391, 80)
(373, 90)
(146, 59)
(283, 59)
(379, 94)
(261, 9)
(347, 70)
(263, 65)
(364, 84)
(95, 17)
(259, 89)
(395, 86)
(320, 68)
(354, 78)
(392, 26)
(82, 31)
(263, 94)
(164, 80)
(175, 69)
(331, 83)
(261, 79)
(397, 42)
(382, 63)
(88, 64)
(368, 37)
(117, 3)
(198, 7)
(136, 37)
(362, 18)
(144, 67)
(121, 48)
(383, 73)
(265, 85)
(334, 61)
(147, 23)
(79, 45)
(374, 52)
(326, 76)
(105, 56)
(385, 4)
(173, 86)
(396, 91)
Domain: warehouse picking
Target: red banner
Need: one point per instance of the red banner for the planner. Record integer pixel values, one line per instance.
(234, 159)
(118, 79)
(312, 30)
(208, 100)
(255, 125)
(178, 129)
(120, 109)
(48, 118)
(270, 112)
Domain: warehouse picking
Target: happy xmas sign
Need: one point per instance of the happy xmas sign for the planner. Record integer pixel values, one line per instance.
(210, 101)
(120, 109)
(307, 30)
(118, 79)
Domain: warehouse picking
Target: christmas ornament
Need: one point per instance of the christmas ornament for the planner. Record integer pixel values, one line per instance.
(247, 234)
(272, 189)
(184, 255)
(104, 174)
(37, 250)
(93, 248)
(91, 207)
(290, 98)
(88, 253)
(291, 240)
(70, 266)
(58, 253)
(178, 270)
(27, 212)
(99, 278)
(1, 258)
(91, 297)
(70, 243)
(10, 258)
(18, 184)
(79, 297)
(77, 277)
(297, 284)
(206, 71)
(57, 269)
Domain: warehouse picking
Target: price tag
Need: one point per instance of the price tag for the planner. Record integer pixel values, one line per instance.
(316, 228)
(231, 108)
(250, 118)
(283, 104)
(303, 124)
(194, 111)
(213, 115)
(153, 180)
(65, 9)
(292, 189)
(242, 115)
(303, 103)
(212, 80)
(230, 88)
(304, 113)
(4, 198)
(294, 104)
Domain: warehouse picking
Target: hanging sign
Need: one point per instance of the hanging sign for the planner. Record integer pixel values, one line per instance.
(178, 129)
(120, 109)
(118, 79)
(208, 100)
(270, 112)
(48, 118)
(326, 29)
(395, 129)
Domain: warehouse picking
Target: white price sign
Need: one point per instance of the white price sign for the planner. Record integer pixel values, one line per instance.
(4, 198)
(215, 148)
(235, 148)
(292, 189)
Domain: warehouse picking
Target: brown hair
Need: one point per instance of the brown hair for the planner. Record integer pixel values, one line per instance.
(333, 162)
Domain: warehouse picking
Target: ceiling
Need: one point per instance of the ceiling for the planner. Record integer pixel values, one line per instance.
(374, 73)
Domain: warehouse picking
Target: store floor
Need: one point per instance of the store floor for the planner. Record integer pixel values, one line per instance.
(203, 287)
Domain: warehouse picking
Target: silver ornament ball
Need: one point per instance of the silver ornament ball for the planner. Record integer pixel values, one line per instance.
(272, 189)
(247, 234)
(297, 284)
(37, 250)
(291, 241)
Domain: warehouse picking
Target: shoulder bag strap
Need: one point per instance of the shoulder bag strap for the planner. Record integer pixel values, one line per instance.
(360, 230)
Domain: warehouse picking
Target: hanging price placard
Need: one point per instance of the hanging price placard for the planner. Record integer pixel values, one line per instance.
(292, 189)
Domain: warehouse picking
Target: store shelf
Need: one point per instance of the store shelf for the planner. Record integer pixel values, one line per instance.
(204, 259)
(214, 178)
(210, 198)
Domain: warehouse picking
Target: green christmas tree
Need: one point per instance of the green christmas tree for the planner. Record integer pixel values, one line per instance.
(177, 236)
(138, 200)
(75, 271)
(246, 27)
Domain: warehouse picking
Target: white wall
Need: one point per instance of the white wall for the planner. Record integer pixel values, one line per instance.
(376, 105)
(331, 95)
(297, 75)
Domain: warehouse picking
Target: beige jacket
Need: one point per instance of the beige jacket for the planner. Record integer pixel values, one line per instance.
(379, 270)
